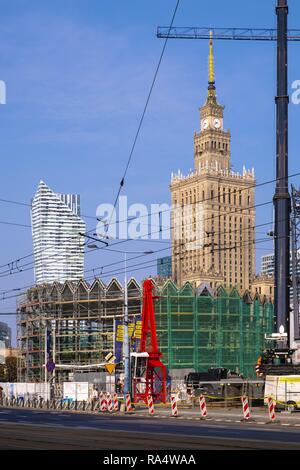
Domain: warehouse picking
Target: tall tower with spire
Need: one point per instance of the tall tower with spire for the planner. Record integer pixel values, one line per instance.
(213, 215)
(212, 144)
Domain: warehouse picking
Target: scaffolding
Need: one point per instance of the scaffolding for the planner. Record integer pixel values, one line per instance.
(200, 328)
(197, 328)
(80, 321)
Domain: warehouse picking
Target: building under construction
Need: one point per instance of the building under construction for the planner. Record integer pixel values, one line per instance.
(80, 320)
(76, 324)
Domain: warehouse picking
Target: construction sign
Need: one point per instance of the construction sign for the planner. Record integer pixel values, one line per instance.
(134, 334)
(110, 367)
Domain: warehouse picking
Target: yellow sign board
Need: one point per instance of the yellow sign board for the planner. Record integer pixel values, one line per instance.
(134, 331)
(110, 368)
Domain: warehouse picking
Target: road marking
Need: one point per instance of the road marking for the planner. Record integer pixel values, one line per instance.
(217, 419)
(296, 424)
(285, 424)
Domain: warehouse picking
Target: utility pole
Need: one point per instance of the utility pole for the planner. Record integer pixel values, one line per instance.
(281, 198)
(126, 345)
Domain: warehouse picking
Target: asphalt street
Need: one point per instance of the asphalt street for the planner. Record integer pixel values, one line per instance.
(43, 429)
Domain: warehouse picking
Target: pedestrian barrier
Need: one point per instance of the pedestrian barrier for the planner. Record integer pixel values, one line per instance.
(246, 409)
(150, 405)
(202, 404)
(116, 402)
(109, 402)
(174, 405)
(90, 406)
(103, 403)
(20, 401)
(128, 403)
(271, 408)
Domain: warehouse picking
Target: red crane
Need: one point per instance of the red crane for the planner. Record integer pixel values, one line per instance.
(150, 373)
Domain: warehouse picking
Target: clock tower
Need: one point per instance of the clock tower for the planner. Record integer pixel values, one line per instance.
(212, 143)
(213, 214)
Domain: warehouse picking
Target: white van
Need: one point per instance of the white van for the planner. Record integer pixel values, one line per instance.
(285, 389)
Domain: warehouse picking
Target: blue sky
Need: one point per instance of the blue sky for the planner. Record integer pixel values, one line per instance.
(77, 76)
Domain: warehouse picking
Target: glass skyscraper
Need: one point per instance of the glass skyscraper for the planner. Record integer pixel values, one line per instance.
(58, 247)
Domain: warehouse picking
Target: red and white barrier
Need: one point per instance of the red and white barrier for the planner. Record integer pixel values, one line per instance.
(246, 409)
(271, 407)
(116, 402)
(128, 402)
(150, 405)
(174, 405)
(109, 402)
(202, 404)
(103, 403)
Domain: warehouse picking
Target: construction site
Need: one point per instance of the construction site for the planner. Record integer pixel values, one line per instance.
(76, 324)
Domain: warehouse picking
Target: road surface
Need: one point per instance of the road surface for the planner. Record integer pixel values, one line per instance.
(42, 429)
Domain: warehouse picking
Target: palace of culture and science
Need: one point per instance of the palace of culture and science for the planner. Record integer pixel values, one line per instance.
(213, 213)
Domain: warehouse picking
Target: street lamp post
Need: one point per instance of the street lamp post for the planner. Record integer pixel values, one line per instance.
(126, 341)
(126, 345)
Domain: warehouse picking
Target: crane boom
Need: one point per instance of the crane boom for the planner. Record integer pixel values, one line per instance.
(238, 34)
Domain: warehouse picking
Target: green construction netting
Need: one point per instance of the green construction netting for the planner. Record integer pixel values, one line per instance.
(202, 331)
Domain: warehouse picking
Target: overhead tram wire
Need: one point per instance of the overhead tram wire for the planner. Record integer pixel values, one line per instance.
(122, 182)
(210, 198)
(235, 211)
(256, 185)
(19, 268)
(142, 264)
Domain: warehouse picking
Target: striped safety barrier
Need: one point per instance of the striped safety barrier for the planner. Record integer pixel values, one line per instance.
(271, 408)
(174, 405)
(109, 402)
(116, 402)
(246, 409)
(202, 404)
(128, 402)
(150, 405)
(103, 403)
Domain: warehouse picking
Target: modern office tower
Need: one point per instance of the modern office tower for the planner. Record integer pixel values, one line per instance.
(164, 266)
(57, 243)
(213, 213)
(5, 334)
(267, 267)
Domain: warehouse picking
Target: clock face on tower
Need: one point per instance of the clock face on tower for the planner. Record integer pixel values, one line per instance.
(205, 124)
(217, 123)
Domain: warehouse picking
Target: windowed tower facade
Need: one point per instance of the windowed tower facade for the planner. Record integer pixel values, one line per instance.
(213, 213)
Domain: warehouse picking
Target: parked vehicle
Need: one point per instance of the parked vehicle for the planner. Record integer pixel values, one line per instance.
(285, 389)
(203, 382)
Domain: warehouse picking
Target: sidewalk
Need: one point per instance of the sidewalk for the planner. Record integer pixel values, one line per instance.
(259, 415)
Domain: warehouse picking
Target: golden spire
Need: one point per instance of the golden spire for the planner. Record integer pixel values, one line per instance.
(211, 95)
(211, 73)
